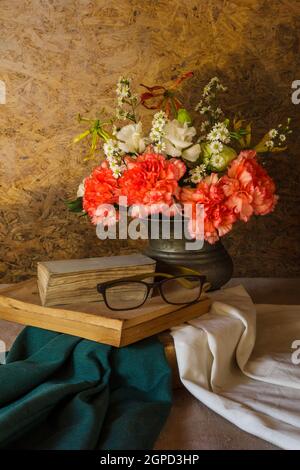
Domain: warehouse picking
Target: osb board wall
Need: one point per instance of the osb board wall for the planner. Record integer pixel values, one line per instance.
(59, 57)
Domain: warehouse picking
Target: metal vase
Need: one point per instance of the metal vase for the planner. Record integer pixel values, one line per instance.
(211, 260)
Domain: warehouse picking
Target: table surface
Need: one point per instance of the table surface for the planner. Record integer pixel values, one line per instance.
(191, 425)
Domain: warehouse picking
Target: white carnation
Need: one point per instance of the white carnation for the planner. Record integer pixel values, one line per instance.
(131, 139)
(178, 137)
(192, 153)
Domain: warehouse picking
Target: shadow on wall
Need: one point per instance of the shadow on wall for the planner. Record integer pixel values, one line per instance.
(267, 245)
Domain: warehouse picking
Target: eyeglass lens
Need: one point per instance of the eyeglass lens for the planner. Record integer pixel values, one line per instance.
(132, 294)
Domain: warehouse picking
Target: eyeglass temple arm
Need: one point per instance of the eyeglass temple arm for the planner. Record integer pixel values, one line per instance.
(184, 282)
(186, 270)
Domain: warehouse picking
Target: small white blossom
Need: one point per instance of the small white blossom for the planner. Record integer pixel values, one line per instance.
(219, 132)
(125, 97)
(214, 135)
(160, 147)
(114, 157)
(203, 127)
(273, 133)
(121, 114)
(199, 105)
(117, 170)
(225, 136)
(157, 132)
(216, 147)
(207, 105)
(204, 109)
(123, 89)
(278, 136)
(111, 148)
(217, 161)
(221, 87)
(206, 89)
(198, 173)
(269, 144)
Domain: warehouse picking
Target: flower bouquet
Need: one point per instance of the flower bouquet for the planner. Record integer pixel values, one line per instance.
(175, 163)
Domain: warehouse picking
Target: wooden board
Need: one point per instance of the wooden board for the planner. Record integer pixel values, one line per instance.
(21, 304)
(168, 343)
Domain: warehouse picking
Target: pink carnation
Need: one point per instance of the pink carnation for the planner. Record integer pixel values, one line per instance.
(99, 188)
(218, 217)
(151, 179)
(249, 187)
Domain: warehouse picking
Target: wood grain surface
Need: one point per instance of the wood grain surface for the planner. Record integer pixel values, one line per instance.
(21, 304)
(59, 58)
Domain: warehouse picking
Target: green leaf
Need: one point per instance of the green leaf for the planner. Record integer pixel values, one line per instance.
(183, 116)
(235, 135)
(79, 137)
(75, 205)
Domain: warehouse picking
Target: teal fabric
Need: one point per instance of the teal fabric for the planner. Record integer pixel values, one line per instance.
(63, 392)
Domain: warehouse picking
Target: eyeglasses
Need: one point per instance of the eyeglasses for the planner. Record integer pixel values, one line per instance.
(132, 292)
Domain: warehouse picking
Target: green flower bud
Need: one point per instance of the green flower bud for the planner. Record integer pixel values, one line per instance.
(183, 116)
(228, 154)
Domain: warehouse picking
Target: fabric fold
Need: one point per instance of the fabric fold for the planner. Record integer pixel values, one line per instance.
(237, 360)
(62, 392)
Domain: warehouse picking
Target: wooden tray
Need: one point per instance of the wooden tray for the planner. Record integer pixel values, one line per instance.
(21, 304)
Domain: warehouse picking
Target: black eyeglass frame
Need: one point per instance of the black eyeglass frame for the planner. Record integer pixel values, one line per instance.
(101, 288)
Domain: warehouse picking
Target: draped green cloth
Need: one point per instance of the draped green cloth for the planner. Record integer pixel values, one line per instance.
(62, 392)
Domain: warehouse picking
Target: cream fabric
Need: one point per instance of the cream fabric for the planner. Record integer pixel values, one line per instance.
(237, 360)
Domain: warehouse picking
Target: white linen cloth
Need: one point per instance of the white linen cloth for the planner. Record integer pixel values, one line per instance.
(237, 360)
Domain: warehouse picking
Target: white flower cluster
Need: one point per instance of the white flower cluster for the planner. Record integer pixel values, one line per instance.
(217, 161)
(114, 157)
(219, 132)
(218, 136)
(212, 87)
(206, 105)
(198, 173)
(209, 110)
(125, 97)
(277, 138)
(204, 126)
(122, 114)
(123, 90)
(157, 132)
